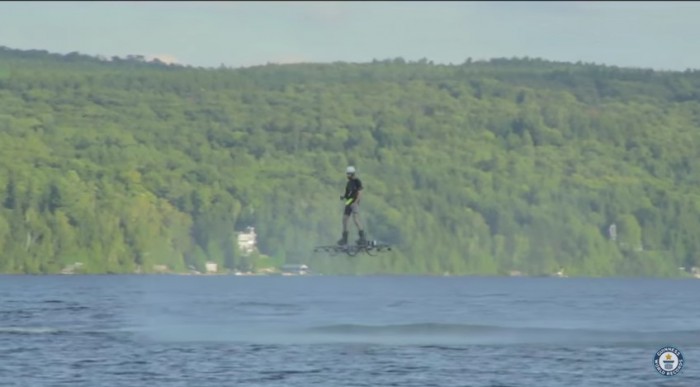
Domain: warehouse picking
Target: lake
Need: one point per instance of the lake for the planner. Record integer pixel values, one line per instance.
(344, 331)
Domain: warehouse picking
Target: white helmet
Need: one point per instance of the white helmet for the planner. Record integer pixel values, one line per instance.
(350, 169)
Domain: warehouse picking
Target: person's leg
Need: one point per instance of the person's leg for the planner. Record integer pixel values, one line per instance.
(346, 216)
(358, 223)
(356, 219)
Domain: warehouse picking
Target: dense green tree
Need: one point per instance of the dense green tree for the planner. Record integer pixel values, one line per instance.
(478, 168)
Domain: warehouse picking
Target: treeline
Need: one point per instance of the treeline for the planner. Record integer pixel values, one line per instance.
(479, 168)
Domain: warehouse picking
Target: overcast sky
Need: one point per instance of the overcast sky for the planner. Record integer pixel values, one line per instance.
(659, 35)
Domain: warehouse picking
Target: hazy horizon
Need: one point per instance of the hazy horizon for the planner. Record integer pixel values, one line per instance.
(657, 35)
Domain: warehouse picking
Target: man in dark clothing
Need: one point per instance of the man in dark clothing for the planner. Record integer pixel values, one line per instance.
(352, 206)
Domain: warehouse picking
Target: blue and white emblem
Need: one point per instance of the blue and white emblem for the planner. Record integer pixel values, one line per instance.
(668, 361)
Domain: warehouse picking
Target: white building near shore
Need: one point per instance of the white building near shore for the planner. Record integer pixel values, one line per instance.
(247, 240)
(211, 267)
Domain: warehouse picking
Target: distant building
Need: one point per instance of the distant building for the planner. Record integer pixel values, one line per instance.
(211, 267)
(612, 232)
(295, 269)
(247, 241)
(72, 268)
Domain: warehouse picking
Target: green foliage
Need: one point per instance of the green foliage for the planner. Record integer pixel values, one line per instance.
(479, 168)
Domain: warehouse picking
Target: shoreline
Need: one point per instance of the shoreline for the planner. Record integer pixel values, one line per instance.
(683, 277)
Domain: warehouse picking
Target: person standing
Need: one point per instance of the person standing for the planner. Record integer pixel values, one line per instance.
(353, 191)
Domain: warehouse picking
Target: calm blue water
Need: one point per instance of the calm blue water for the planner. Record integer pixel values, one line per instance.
(344, 331)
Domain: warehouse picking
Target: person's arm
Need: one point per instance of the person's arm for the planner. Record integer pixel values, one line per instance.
(350, 201)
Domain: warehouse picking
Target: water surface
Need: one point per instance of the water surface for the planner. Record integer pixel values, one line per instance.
(344, 331)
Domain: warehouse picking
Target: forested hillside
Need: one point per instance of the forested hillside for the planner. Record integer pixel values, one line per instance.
(478, 168)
